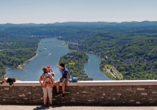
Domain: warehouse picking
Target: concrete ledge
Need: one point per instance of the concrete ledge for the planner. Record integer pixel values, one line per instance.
(92, 83)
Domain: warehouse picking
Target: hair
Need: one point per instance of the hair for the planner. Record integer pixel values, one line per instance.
(62, 64)
(45, 69)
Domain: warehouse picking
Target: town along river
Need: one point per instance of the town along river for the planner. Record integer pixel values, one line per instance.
(49, 53)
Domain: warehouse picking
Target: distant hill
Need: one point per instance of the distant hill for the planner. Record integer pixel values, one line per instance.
(68, 29)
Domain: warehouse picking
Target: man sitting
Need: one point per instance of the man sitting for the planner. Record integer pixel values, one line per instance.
(63, 80)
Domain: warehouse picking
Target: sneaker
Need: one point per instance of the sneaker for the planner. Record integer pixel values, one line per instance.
(62, 95)
(57, 94)
(51, 105)
(44, 105)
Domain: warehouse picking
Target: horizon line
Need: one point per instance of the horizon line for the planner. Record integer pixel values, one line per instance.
(81, 22)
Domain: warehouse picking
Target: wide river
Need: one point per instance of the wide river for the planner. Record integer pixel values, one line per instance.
(34, 67)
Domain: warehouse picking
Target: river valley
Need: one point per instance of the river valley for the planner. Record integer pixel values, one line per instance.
(49, 52)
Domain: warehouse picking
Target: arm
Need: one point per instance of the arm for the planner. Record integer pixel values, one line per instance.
(51, 70)
(40, 81)
(53, 83)
(59, 67)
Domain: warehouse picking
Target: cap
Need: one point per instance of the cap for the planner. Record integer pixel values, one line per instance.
(48, 66)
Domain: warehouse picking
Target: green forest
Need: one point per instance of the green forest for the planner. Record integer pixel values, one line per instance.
(128, 46)
(137, 60)
(16, 50)
(74, 62)
(132, 54)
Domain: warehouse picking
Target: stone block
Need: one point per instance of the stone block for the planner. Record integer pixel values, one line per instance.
(6, 88)
(85, 92)
(22, 95)
(119, 94)
(72, 100)
(143, 93)
(92, 89)
(138, 103)
(140, 89)
(113, 98)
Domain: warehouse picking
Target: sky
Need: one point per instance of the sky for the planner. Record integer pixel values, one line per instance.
(51, 11)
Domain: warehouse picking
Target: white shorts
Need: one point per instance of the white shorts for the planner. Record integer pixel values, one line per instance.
(47, 91)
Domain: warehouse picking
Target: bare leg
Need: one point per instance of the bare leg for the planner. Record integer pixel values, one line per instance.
(50, 100)
(63, 87)
(57, 86)
(3, 80)
(45, 100)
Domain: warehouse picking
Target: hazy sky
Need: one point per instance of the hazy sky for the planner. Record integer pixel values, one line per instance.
(50, 11)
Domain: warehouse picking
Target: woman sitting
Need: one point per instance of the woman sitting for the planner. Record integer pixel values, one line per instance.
(47, 84)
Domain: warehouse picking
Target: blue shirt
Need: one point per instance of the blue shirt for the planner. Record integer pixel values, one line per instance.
(65, 72)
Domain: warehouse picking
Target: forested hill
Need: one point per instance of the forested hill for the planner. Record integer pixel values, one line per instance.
(117, 49)
(76, 31)
(136, 60)
(75, 61)
(2, 70)
(103, 42)
(16, 50)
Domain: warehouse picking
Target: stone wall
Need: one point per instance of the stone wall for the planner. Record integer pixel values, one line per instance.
(85, 93)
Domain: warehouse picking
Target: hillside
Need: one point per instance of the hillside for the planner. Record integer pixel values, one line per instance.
(116, 49)
(16, 50)
(136, 60)
(75, 61)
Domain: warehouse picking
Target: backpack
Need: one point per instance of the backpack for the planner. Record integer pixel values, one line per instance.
(11, 81)
(46, 79)
(74, 79)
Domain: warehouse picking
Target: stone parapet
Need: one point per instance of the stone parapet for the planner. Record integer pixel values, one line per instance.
(132, 92)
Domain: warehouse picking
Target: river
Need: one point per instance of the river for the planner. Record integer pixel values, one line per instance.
(57, 49)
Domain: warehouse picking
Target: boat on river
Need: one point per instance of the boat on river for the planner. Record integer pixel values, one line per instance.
(49, 53)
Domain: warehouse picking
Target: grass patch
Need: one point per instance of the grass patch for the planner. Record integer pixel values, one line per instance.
(109, 75)
(108, 66)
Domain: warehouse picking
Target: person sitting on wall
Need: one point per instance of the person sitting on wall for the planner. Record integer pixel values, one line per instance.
(63, 80)
(47, 84)
(8, 80)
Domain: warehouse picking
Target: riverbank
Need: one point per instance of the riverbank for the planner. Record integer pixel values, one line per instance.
(22, 65)
(58, 50)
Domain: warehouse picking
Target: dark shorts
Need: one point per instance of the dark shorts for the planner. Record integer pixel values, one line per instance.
(62, 80)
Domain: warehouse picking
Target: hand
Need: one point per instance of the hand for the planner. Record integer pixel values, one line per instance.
(57, 66)
(53, 85)
(41, 85)
(51, 70)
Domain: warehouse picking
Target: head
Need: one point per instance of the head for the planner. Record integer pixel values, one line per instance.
(48, 68)
(45, 70)
(62, 65)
